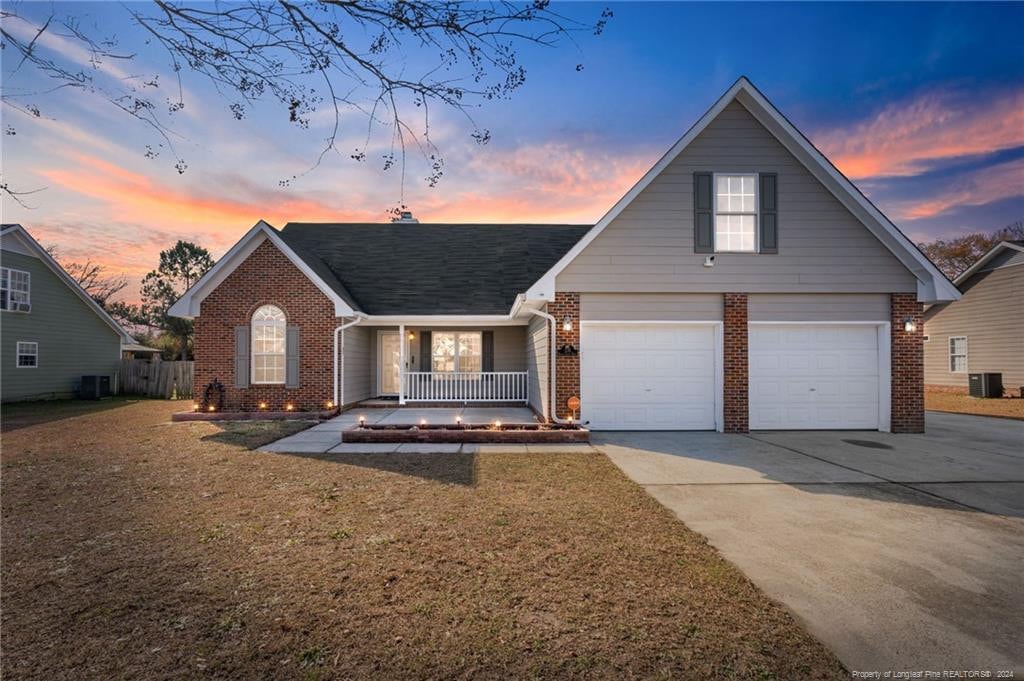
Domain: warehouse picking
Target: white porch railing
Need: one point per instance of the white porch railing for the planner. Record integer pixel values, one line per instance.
(465, 386)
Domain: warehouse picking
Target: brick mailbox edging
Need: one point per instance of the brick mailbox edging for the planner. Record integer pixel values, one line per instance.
(254, 415)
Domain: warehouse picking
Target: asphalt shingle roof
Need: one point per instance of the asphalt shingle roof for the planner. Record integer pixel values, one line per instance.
(421, 268)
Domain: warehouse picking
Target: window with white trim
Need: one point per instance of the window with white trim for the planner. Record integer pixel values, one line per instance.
(456, 351)
(268, 345)
(958, 354)
(15, 290)
(736, 213)
(28, 355)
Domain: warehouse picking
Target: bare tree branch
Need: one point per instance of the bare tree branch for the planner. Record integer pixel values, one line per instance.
(385, 60)
(94, 278)
(17, 195)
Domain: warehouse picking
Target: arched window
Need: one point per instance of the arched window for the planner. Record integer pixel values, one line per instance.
(268, 341)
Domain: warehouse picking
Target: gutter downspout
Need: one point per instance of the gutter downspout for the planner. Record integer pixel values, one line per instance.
(554, 363)
(339, 386)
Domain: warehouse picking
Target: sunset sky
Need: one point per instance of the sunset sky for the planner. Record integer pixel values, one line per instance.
(922, 105)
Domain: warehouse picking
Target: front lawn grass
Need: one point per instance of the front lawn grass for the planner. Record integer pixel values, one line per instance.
(138, 548)
(14, 415)
(1012, 407)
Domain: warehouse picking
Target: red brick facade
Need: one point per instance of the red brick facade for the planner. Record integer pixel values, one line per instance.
(907, 364)
(266, 276)
(734, 341)
(567, 375)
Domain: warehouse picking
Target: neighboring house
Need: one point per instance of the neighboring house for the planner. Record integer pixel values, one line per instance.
(139, 351)
(742, 283)
(51, 332)
(983, 332)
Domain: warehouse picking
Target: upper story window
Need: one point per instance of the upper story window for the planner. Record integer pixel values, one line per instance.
(268, 345)
(958, 354)
(736, 212)
(28, 355)
(456, 351)
(15, 290)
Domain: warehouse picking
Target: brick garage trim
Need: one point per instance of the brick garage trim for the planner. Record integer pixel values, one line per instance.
(567, 374)
(267, 276)
(735, 381)
(907, 361)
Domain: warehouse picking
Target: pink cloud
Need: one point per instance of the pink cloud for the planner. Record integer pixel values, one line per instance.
(991, 184)
(904, 137)
(135, 213)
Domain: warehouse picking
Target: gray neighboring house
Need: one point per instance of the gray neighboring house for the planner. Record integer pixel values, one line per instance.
(983, 332)
(51, 332)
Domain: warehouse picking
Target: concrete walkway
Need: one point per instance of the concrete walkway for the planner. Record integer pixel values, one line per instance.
(900, 552)
(326, 437)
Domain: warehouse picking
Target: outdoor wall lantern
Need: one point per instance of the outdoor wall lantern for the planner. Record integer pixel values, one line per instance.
(412, 336)
(567, 323)
(908, 325)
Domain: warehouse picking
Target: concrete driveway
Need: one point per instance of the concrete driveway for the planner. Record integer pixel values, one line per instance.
(900, 552)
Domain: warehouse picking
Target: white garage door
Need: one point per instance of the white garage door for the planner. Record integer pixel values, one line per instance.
(648, 376)
(807, 376)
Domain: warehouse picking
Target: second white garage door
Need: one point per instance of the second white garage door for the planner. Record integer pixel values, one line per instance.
(814, 376)
(636, 376)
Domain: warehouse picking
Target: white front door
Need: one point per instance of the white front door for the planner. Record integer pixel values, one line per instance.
(637, 376)
(389, 356)
(814, 376)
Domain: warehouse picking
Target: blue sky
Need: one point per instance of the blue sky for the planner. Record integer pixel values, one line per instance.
(921, 104)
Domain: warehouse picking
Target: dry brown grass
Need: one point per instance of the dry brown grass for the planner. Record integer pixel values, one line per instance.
(1012, 407)
(137, 548)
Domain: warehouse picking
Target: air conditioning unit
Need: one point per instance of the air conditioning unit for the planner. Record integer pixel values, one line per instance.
(94, 387)
(986, 385)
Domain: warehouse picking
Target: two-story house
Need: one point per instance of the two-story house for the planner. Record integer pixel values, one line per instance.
(51, 331)
(742, 283)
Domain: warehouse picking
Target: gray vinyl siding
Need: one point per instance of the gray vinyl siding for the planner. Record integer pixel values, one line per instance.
(822, 247)
(818, 307)
(682, 307)
(509, 344)
(357, 364)
(73, 340)
(538, 359)
(989, 315)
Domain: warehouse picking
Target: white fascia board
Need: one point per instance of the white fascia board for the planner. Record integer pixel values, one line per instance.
(998, 248)
(933, 286)
(443, 320)
(28, 241)
(188, 305)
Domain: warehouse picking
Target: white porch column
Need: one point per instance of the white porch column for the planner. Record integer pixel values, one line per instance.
(401, 364)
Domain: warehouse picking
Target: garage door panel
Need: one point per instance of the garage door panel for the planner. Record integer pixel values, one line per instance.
(807, 376)
(648, 376)
(865, 362)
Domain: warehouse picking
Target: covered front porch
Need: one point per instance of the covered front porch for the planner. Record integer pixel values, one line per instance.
(439, 365)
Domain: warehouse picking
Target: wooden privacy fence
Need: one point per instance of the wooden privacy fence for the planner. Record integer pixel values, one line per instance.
(155, 378)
